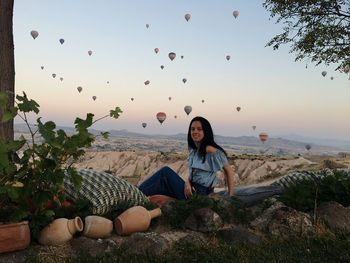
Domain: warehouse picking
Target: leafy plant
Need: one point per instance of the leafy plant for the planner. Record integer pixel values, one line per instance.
(304, 195)
(32, 173)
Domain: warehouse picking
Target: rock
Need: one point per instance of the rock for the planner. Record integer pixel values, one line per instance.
(94, 247)
(145, 243)
(335, 216)
(284, 222)
(193, 237)
(238, 234)
(204, 220)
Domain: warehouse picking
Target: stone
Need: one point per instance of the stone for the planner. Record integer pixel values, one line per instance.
(238, 234)
(284, 222)
(145, 243)
(335, 216)
(94, 247)
(204, 220)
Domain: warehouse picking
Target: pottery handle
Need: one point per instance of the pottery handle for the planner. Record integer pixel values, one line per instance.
(155, 213)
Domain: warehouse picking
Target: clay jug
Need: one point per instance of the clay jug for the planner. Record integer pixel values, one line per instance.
(97, 227)
(60, 230)
(135, 219)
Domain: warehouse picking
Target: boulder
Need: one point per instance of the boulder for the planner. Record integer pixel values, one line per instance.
(145, 243)
(238, 234)
(204, 220)
(335, 216)
(94, 247)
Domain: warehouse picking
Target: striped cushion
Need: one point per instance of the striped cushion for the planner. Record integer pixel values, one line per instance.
(296, 177)
(104, 191)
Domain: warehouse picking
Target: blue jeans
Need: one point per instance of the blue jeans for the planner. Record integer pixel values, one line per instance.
(166, 182)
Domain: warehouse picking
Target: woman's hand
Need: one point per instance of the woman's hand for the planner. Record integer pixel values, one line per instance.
(188, 189)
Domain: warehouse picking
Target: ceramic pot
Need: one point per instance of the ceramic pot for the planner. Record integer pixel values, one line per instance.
(97, 227)
(60, 230)
(14, 236)
(135, 219)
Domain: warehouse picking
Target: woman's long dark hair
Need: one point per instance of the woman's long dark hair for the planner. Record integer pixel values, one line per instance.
(208, 138)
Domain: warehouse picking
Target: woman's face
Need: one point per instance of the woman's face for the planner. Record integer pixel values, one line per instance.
(197, 133)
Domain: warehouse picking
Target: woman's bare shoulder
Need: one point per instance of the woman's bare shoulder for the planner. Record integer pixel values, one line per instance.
(210, 149)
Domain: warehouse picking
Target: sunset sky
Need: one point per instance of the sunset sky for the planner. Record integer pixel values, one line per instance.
(275, 93)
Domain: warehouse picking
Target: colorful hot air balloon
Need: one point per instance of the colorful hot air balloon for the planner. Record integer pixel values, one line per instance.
(147, 25)
(90, 52)
(169, 98)
(202, 101)
(188, 109)
(61, 79)
(254, 127)
(147, 82)
(308, 147)
(182, 57)
(144, 125)
(34, 34)
(172, 55)
(161, 116)
(228, 57)
(79, 89)
(184, 80)
(61, 41)
(238, 108)
(42, 67)
(162, 67)
(132, 99)
(156, 50)
(235, 13)
(263, 136)
(324, 73)
(54, 75)
(187, 17)
(94, 97)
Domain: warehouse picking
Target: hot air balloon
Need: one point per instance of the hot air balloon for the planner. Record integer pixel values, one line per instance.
(169, 98)
(132, 99)
(107, 82)
(188, 109)
(162, 67)
(42, 67)
(90, 52)
(147, 82)
(182, 57)
(34, 34)
(94, 97)
(228, 57)
(161, 116)
(172, 55)
(54, 75)
(332, 78)
(144, 125)
(263, 136)
(238, 108)
(147, 25)
(187, 17)
(61, 41)
(175, 116)
(254, 127)
(324, 73)
(184, 80)
(61, 79)
(308, 147)
(235, 13)
(202, 101)
(156, 50)
(79, 89)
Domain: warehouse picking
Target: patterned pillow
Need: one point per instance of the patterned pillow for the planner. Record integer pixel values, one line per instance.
(104, 191)
(295, 177)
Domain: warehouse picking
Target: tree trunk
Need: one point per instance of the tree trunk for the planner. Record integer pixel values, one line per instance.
(7, 63)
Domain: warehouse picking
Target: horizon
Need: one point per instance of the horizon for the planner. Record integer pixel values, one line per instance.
(275, 93)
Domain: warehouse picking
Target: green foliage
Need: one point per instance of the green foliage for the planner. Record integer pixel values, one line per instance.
(32, 174)
(303, 195)
(315, 29)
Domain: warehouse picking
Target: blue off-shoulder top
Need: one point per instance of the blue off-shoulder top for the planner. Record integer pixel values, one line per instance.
(205, 173)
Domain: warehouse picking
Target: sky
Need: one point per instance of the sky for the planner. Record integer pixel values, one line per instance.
(275, 93)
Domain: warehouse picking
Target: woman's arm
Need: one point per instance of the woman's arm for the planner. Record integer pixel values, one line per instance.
(229, 176)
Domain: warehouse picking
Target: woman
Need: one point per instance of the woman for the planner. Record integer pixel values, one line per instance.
(205, 159)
